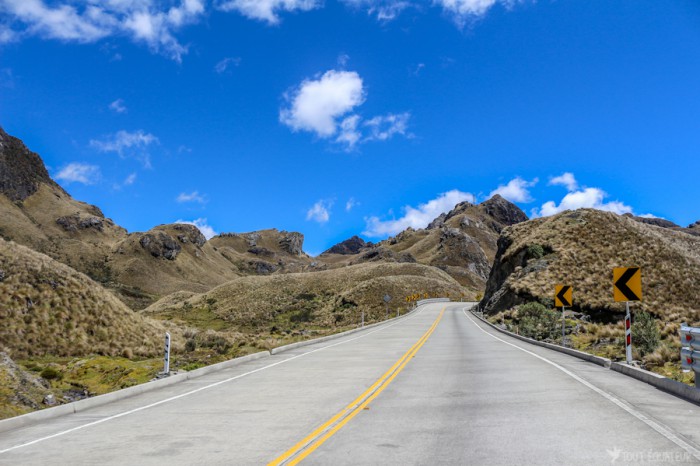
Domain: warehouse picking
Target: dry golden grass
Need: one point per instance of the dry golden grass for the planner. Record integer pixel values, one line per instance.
(48, 308)
(295, 304)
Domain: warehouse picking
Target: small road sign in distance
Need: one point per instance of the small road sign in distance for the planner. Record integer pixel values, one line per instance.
(627, 284)
(563, 296)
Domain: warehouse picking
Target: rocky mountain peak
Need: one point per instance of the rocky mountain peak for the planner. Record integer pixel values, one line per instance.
(21, 170)
(348, 247)
(504, 211)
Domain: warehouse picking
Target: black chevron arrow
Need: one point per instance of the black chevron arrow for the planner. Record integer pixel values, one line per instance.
(561, 296)
(621, 284)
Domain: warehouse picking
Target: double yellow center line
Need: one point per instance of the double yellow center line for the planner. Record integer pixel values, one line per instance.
(325, 431)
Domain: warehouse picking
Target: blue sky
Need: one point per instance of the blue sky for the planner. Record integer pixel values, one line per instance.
(352, 117)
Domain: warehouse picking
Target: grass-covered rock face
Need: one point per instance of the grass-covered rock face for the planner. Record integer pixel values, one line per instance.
(581, 248)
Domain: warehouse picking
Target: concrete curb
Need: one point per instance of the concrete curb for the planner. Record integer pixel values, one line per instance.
(671, 386)
(570, 351)
(100, 400)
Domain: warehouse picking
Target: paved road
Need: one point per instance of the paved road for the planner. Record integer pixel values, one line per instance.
(433, 388)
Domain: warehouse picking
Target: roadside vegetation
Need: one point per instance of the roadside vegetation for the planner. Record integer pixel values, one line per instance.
(655, 343)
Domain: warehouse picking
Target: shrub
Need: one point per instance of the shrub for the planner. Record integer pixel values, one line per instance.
(538, 322)
(49, 373)
(645, 333)
(190, 345)
(535, 251)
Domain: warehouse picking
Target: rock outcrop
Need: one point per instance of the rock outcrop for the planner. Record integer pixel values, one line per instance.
(292, 243)
(160, 244)
(349, 247)
(21, 170)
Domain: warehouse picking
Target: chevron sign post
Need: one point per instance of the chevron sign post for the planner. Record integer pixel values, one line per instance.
(627, 286)
(563, 298)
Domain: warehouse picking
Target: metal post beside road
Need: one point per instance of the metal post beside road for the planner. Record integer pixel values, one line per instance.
(166, 368)
(628, 334)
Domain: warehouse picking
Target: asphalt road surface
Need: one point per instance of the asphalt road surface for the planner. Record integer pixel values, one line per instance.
(436, 387)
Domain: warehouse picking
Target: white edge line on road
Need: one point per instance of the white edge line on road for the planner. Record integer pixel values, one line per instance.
(197, 390)
(658, 427)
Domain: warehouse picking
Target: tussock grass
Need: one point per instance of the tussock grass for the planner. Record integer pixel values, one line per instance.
(48, 308)
(587, 244)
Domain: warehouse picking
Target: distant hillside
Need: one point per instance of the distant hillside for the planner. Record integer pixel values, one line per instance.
(264, 252)
(139, 267)
(47, 308)
(581, 248)
(461, 243)
(283, 304)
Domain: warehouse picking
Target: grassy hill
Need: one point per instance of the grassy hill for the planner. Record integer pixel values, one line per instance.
(49, 308)
(281, 307)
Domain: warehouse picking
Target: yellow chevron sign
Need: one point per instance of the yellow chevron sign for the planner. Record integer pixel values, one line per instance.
(563, 296)
(627, 284)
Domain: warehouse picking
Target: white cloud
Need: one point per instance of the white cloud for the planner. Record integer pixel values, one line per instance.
(118, 106)
(386, 126)
(585, 198)
(418, 217)
(348, 133)
(127, 143)
(320, 212)
(194, 196)
(203, 226)
(566, 179)
(343, 60)
(324, 106)
(226, 64)
(79, 173)
(516, 190)
(131, 179)
(384, 10)
(462, 11)
(86, 21)
(267, 10)
(351, 204)
(317, 104)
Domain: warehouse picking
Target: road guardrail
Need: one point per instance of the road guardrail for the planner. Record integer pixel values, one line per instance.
(690, 356)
